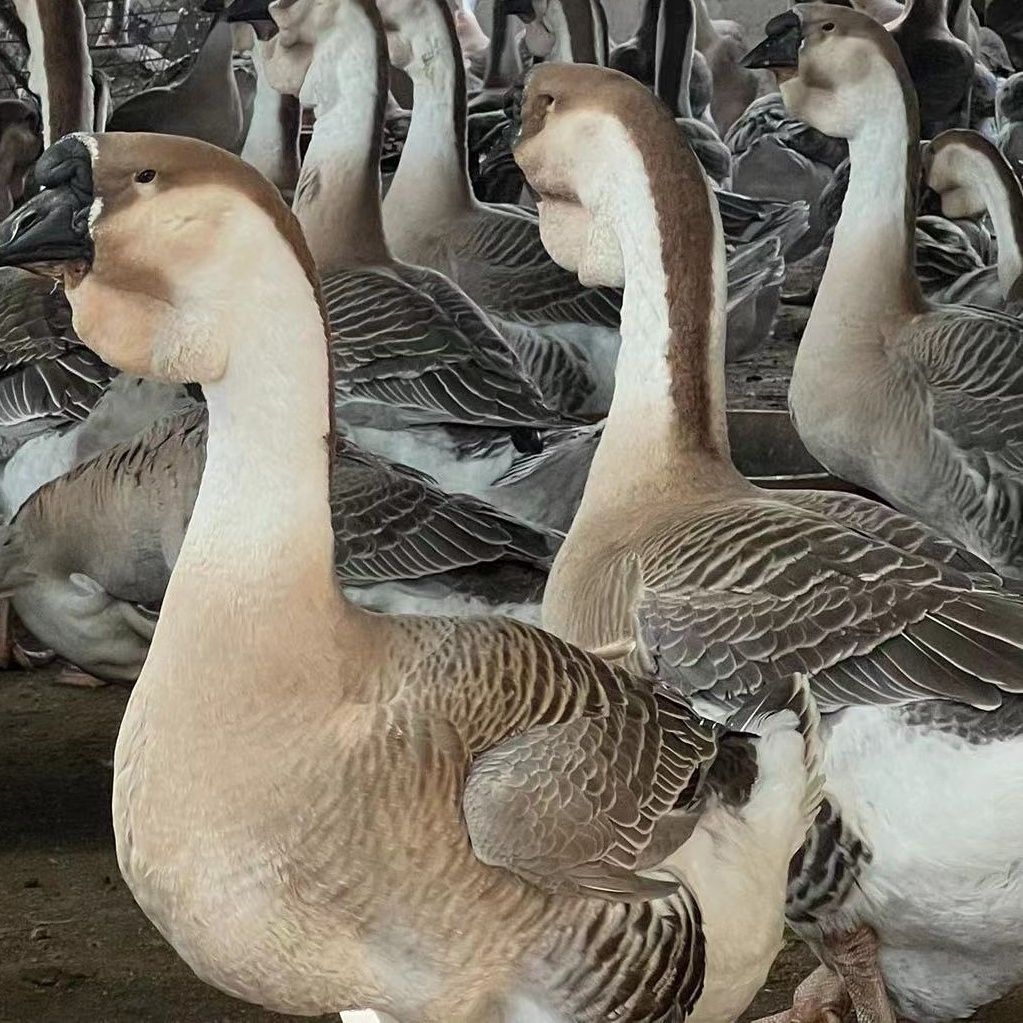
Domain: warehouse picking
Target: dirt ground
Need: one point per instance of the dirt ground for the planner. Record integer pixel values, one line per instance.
(74, 948)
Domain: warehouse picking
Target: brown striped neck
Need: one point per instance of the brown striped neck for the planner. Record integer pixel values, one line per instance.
(432, 180)
(60, 68)
(666, 428)
(337, 201)
(676, 46)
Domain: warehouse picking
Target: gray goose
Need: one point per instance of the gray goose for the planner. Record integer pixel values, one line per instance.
(205, 104)
(974, 179)
(422, 375)
(89, 552)
(922, 405)
(547, 835)
(720, 589)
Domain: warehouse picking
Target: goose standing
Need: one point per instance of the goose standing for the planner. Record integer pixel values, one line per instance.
(721, 589)
(415, 358)
(449, 819)
(973, 179)
(921, 405)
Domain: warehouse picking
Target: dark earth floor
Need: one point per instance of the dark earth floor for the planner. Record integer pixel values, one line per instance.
(74, 948)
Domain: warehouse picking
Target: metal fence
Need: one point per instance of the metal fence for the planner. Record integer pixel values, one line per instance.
(137, 43)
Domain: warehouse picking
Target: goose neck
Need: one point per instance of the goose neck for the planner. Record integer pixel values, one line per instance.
(872, 260)
(337, 200)
(575, 32)
(433, 176)
(59, 65)
(706, 33)
(1003, 197)
(676, 46)
(213, 62)
(254, 580)
(666, 428)
(923, 14)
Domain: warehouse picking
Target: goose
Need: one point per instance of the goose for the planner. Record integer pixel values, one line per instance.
(495, 252)
(90, 550)
(735, 87)
(564, 30)
(940, 64)
(776, 156)
(916, 403)
(1006, 18)
(1009, 121)
(59, 65)
(717, 588)
(973, 178)
(589, 840)
(637, 57)
(415, 358)
(204, 104)
(271, 143)
(21, 143)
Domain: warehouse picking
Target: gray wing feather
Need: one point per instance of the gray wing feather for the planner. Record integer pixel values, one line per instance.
(428, 352)
(869, 622)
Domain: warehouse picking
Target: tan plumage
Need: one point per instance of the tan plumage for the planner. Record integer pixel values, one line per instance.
(299, 784)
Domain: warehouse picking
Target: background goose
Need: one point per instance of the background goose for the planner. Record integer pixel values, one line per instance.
(718, 588)
(722, 46)
(495, 253)
(974, 179)
(637, 57)
(386, 728)
(21, 143)
(1009, 120)
(205, 104)
(414, 357)
(918, 404)
(86, 551)
(940, 65)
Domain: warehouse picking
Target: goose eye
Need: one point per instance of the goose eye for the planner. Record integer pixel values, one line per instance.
(828, 26)
(145, 176)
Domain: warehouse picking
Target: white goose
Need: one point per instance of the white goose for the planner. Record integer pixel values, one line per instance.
(437, 819)
(974, 179)
(919, 404)
(721, 589)
(415, 359)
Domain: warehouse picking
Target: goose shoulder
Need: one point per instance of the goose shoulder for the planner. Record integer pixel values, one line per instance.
(735, 597)
(407, 339)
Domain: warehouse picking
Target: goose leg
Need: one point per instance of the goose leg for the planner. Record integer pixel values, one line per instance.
(820, 998)
(854, 956)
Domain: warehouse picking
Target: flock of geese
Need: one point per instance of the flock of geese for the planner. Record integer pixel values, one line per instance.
(473, 682)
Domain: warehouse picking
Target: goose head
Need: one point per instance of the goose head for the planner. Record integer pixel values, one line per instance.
(148, 234)
(956, 164)
(418, 31)
(584, 129)
(832, 64)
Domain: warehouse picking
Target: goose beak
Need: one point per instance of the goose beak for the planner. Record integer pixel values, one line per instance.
(781, 47)
(52, 228)
(253, 12)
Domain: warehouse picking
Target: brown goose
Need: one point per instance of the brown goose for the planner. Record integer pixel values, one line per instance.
(719, 588)
(973, 179)
(436, 819)
(920, 404)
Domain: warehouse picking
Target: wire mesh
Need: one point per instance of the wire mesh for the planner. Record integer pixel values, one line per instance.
(136, 43)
